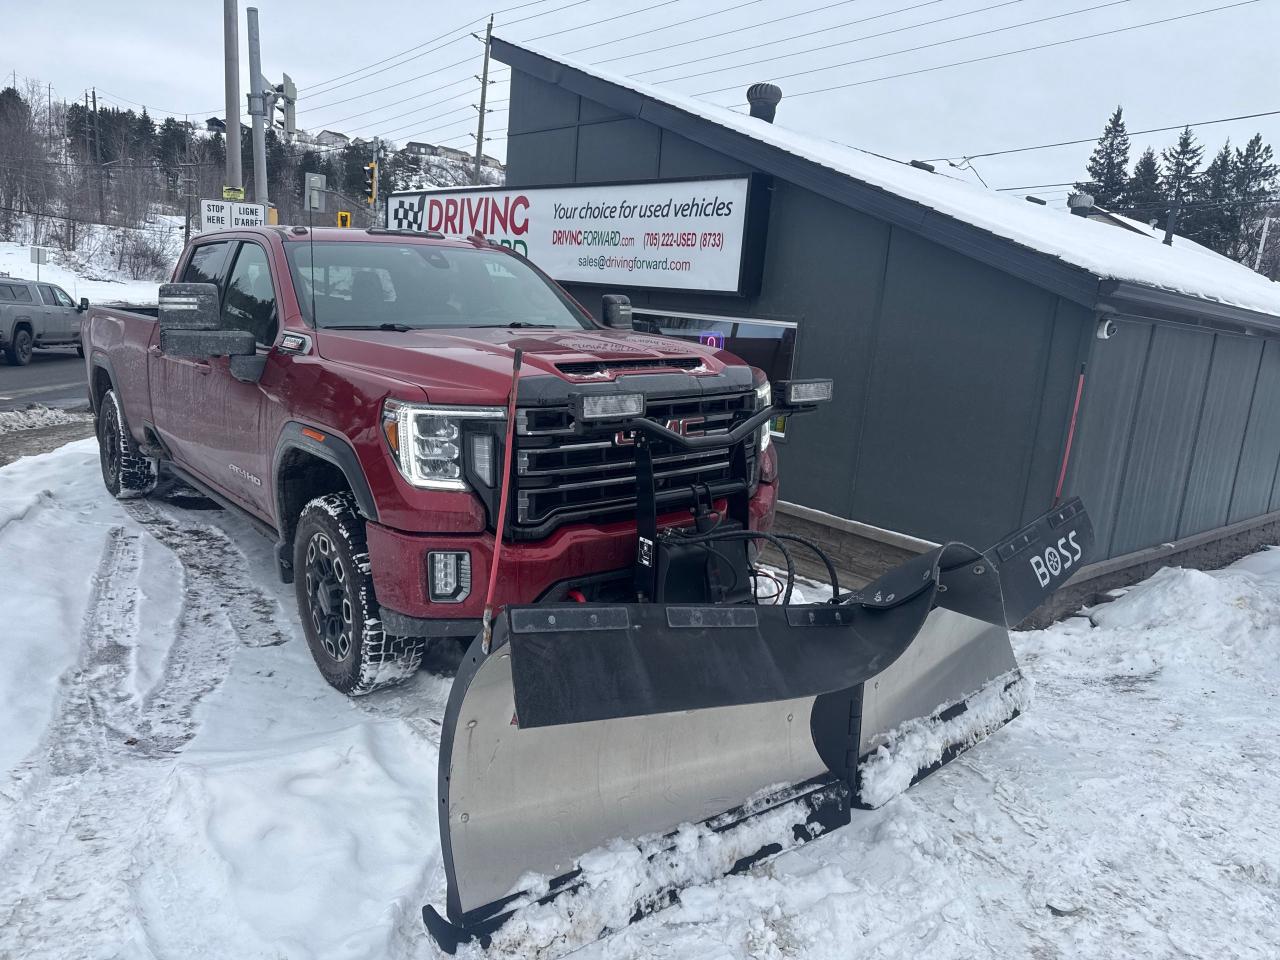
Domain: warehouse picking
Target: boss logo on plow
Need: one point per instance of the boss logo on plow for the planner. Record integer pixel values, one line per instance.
(1056, 560)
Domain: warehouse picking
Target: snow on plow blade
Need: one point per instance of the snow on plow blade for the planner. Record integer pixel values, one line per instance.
(715, 735)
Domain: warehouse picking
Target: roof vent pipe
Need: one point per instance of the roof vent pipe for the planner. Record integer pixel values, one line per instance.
(763, 98)
(1081, 204)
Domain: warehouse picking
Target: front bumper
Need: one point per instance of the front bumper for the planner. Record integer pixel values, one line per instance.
(529, 570)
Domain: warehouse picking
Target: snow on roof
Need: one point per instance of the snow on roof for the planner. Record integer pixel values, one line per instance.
(1186, 243)
(1105, 251)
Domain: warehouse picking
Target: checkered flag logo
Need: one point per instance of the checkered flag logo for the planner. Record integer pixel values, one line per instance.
(407, 214)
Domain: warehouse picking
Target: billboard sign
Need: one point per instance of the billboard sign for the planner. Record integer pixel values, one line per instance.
(671, 235)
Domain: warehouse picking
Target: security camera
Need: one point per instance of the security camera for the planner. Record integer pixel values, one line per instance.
(1107, 329)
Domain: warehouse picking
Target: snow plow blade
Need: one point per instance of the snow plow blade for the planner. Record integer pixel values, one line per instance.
(713, 736)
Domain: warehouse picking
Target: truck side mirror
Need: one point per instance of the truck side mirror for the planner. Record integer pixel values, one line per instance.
(189, 324)
(617, 311)
(84, 304)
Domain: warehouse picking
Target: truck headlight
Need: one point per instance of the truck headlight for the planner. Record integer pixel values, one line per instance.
(427, 442)
(764, 397)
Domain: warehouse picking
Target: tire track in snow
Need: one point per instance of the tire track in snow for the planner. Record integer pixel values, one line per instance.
(86, 796)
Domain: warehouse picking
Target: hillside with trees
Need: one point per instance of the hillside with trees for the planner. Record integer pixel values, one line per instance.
(64, 167)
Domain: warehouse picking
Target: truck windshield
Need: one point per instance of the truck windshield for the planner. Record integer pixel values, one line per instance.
(417, 285)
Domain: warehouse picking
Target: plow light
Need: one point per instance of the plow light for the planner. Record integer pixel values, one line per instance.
(798, 392)
(609, 406)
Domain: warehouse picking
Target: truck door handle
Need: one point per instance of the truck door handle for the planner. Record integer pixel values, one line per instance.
(155, 350)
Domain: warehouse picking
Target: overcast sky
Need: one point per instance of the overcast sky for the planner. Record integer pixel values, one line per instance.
(168, 55)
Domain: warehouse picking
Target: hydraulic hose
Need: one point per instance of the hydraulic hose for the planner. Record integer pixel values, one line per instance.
(822, 555)
(751, 535)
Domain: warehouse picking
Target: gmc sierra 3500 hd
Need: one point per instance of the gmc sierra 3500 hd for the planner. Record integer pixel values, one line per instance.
(347, 390)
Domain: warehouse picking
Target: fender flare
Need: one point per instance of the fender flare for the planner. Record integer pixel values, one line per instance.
(98, 360)
(337, 450)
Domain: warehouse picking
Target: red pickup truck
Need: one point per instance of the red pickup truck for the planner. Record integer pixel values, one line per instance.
(347, 391)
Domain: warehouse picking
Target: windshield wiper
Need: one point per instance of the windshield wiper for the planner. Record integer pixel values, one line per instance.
(396, 327)
(521, 323)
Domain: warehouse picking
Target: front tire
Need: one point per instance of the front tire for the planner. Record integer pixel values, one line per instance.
(125, 471)
(337, 605)
(18, 352)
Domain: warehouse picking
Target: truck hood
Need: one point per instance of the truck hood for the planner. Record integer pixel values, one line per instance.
(473, 365)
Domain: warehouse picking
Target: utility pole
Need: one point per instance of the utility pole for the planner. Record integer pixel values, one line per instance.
(97, 158)
(258, 109)
(484, 91)
(231, 54)
(1262, 244)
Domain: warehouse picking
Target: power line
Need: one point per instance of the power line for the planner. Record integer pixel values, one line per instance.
(583, 26)
(668, 26)
(138, 103)
(396, 103)
(1037, 186)
(313, 92)
(923, 46)
(448, 66)
(390, 86)
(843, 43)
(459, 29)
(1010, 53)
(544, 13)
(723, 33)
(1135, 133)
(377, 63)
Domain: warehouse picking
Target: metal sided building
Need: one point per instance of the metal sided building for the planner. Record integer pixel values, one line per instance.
(989, 354)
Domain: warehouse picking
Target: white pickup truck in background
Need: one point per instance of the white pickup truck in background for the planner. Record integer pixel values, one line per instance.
(36, 315)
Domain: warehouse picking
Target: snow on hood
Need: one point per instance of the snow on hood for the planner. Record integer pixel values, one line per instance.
(1101, 249)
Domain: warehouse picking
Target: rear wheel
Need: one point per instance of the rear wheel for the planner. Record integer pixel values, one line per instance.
(18, 352)
(125, 471)
(336, 601)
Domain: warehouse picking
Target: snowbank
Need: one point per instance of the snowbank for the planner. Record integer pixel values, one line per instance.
(38, 415)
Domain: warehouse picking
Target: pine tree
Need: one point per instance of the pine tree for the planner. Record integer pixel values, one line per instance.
(1254, 181)
(1181, 162)
(1144, 197)
(1108, 167)
(142, 134)
(1208, 219)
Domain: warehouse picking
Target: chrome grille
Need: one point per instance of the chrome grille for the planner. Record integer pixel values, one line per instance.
(567, 477)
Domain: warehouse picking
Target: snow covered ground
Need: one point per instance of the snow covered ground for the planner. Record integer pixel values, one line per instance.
(176, 780)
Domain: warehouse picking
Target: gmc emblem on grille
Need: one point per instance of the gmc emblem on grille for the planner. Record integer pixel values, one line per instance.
(685, 426)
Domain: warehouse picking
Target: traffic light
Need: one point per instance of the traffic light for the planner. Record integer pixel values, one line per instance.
(371, 182)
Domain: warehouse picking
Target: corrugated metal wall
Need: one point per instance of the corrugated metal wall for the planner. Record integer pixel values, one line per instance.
(1179, 433)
